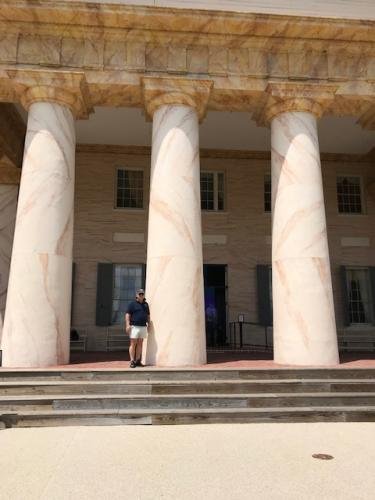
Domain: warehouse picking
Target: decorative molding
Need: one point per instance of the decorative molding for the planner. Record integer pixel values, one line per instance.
(214, 239)
(179, 91)
(61, 87)
(215, 153)
(293, 96)
(355, 242)
(128, 237)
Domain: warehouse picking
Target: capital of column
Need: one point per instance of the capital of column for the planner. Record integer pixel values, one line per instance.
(64, 88)
(288, 97)
(179, 91)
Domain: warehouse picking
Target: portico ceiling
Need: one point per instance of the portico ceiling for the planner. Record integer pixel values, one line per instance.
(220, 130)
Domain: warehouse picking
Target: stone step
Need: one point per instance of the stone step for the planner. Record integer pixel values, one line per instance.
(145, 374)
(187, 416)
(113, 401)
(184, 387)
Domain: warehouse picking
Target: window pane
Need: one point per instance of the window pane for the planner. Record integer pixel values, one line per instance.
(267, 193)
(129, 188)
(349, 195)
(128, 278)
(212, 190)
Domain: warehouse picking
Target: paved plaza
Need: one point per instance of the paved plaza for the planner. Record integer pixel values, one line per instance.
(256, 461)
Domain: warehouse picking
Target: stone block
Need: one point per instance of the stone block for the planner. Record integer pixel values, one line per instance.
(257, 63)
(342, 66)
(156, 57)
(310, 64)
(72, 52)
(277, 64)
(43, 50)
(94, 53)
(8, 48)
(197, 59)
(114, 54)
(238, 61)
(135, 55)
(218, 60)
(177, 59)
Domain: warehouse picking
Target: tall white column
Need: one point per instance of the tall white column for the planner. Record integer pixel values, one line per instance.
(174, 284)
(303, 310)
(8, 207)
(37, 319)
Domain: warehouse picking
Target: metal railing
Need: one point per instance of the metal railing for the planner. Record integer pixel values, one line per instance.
(240, 332)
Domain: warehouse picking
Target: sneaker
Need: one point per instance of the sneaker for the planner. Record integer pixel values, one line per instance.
(139, 363)
(132, 364)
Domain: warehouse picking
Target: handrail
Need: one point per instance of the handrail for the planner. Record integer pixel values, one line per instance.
(233, 330)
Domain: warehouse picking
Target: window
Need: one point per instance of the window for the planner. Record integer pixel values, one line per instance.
(349, 195)
(129, 189)
(212, 191)
(127, 278)
(267, 193)
(359, 295)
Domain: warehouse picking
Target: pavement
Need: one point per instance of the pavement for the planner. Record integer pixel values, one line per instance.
(242, 461)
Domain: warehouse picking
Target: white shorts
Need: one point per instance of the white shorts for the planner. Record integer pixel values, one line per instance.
(138, 332)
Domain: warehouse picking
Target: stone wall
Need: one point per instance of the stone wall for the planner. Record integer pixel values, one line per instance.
(244, 224)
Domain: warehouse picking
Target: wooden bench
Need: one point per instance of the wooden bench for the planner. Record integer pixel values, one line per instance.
(359, 342)
(116, 340)
(80, 343)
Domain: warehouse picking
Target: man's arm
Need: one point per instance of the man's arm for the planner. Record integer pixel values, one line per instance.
(127, 322)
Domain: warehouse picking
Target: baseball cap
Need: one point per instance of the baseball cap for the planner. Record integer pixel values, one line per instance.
(140, 290)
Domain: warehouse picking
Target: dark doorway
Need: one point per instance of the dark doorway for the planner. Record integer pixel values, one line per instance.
(215, 304)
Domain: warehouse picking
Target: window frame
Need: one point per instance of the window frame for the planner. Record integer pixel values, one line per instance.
(215, 174)
(132, 169)
(362, 194)
(368, 323)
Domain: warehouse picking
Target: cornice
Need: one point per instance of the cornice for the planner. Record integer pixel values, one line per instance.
(228, 154)
(107, 16)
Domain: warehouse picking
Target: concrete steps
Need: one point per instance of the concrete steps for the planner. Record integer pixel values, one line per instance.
(142, 396)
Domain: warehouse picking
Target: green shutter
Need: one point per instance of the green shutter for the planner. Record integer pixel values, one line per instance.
(264, 303)
(344, 296)
(104, 293)
(372, 282)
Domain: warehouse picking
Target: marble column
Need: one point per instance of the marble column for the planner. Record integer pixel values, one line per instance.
(8, 207)
(303, 309)
(174, 283)
(37, 319)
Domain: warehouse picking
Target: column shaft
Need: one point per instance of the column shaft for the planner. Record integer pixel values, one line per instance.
(37, 320)
(304, 320)
(8, 207)
(174, 254)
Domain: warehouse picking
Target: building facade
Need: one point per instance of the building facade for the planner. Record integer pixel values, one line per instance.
(282, 233)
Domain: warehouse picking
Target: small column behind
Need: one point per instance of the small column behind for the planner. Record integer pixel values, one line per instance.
(8, 208)
(37, 320)
(303, 309)
(174, 282)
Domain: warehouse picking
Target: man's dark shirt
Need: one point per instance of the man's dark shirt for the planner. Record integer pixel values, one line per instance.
(138, 312)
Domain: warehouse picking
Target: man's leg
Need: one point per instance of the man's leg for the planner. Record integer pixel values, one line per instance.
(139, 350)
(132, 349)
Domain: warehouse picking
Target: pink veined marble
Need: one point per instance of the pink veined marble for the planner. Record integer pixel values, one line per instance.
(303, 310)
(37, 320)
(174, 254)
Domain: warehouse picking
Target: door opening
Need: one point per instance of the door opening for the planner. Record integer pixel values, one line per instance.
(215, 304)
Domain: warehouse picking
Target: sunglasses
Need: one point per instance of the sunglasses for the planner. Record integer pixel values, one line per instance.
(141, 294)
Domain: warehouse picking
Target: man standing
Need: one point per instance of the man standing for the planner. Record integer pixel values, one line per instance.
(137, 319)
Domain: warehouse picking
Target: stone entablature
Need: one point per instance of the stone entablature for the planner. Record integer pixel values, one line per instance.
(243, 55)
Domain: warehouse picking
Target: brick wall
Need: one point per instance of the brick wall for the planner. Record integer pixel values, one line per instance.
(246, 227)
